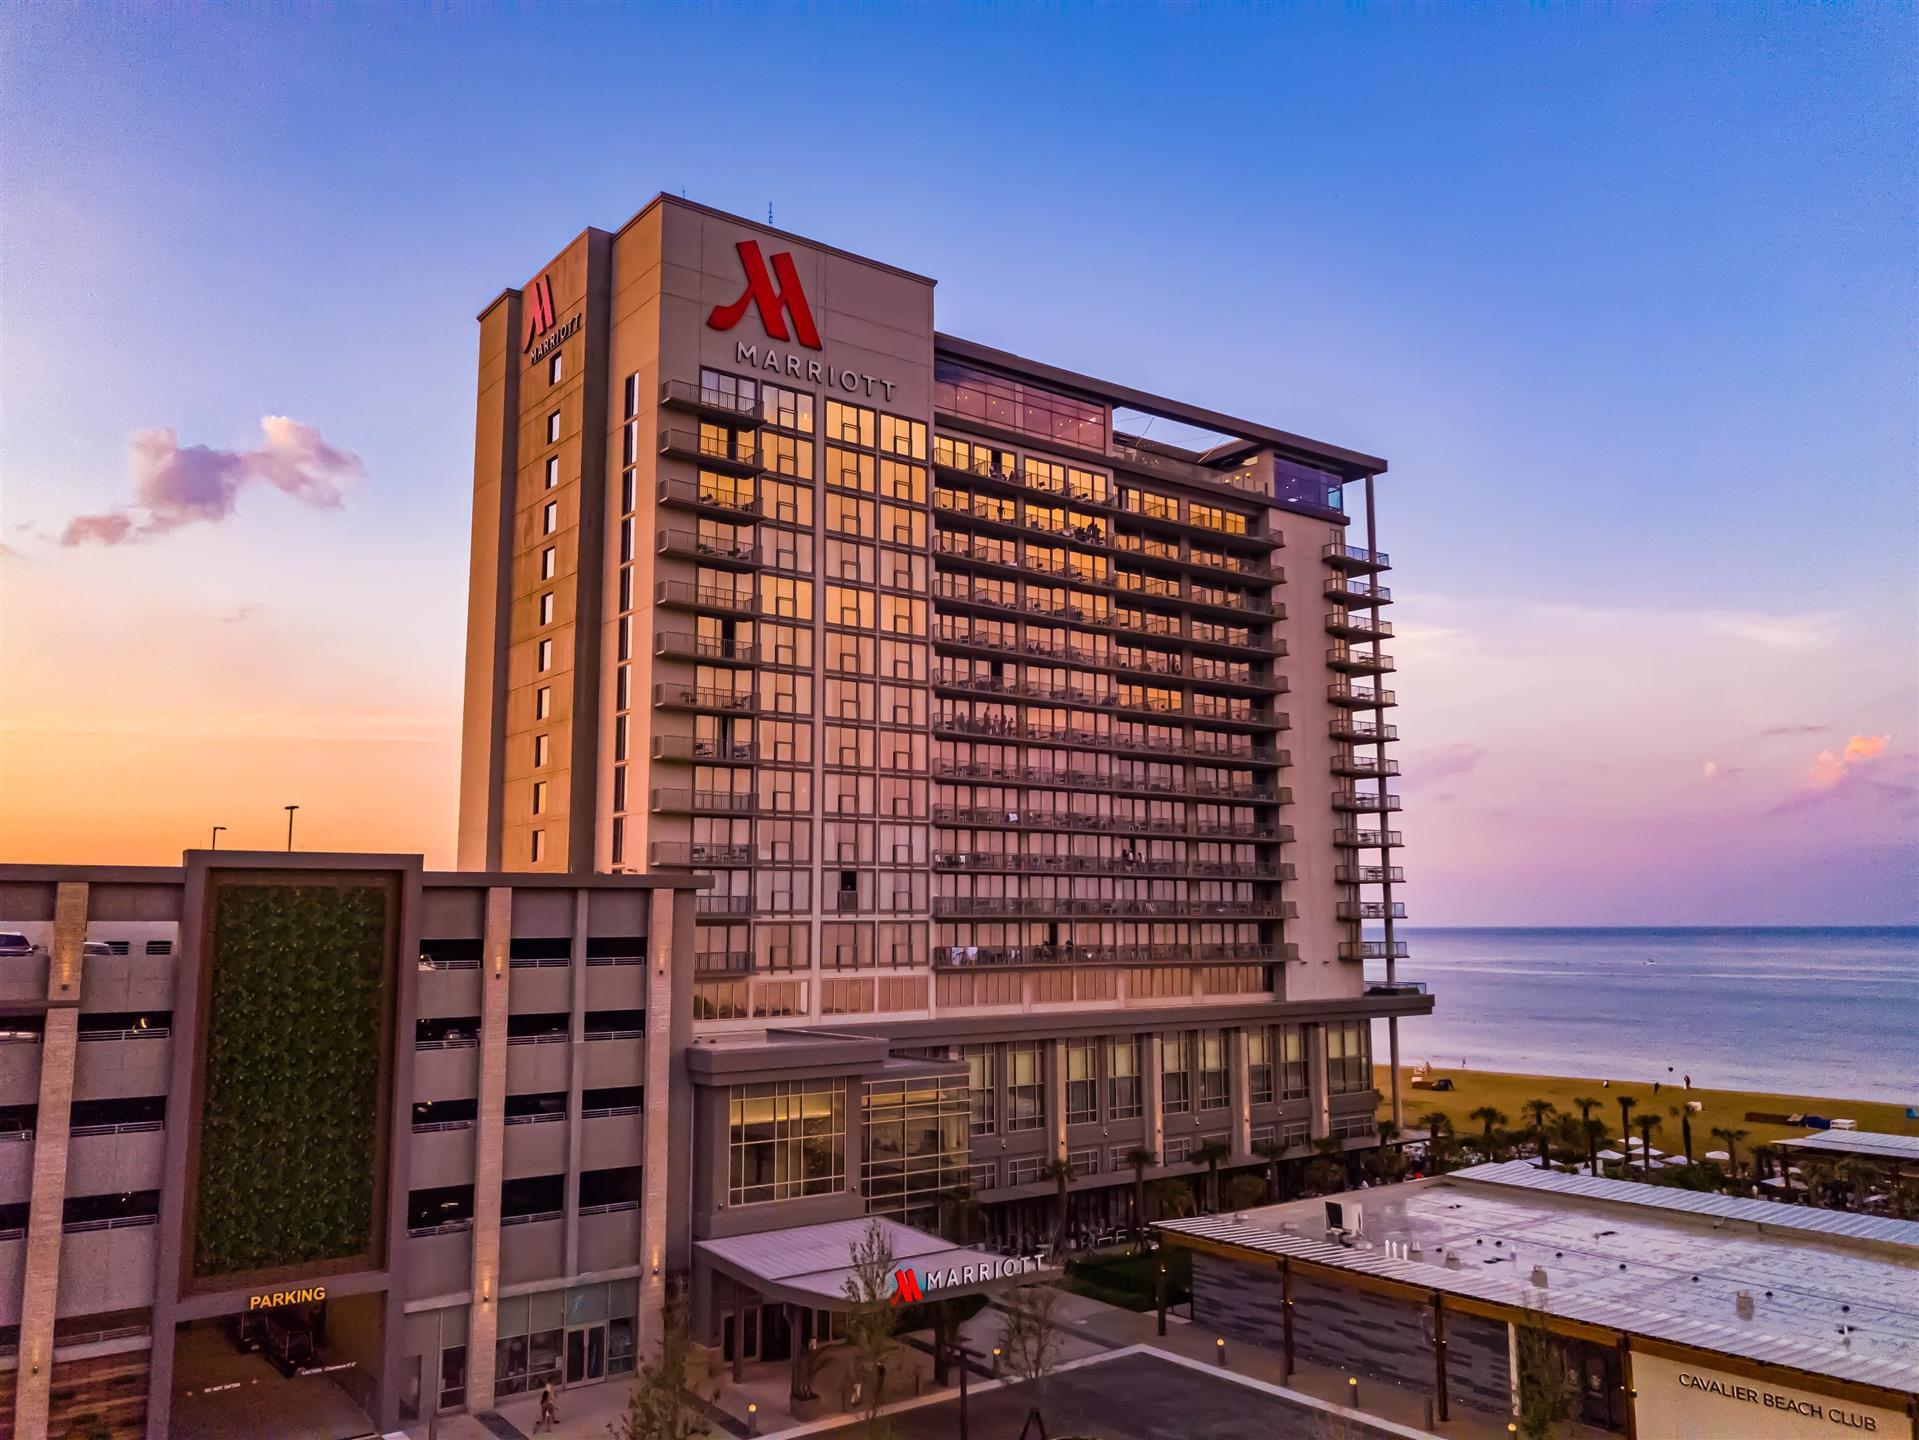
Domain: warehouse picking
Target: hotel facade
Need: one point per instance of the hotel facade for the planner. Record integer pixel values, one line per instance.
(888, 774)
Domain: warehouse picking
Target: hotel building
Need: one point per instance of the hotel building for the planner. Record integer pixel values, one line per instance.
(889, 772)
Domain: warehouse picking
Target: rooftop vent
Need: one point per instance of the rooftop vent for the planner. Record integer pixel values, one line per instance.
(1742, 1302)
(1539, 1276)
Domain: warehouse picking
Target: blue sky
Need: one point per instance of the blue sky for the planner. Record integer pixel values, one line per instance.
(1627, 298)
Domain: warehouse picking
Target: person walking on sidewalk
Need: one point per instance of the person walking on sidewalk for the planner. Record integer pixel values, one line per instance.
(549, 1410)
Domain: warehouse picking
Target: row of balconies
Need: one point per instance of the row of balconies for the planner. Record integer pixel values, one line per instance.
(1099, 535)
(949, 632)
(1122, 784)
(1251, 953)
(1086, 698)
(946, 591)
(1012, 907)
(439, 1261)
(1042, 483)
(998, 862)
(958, 545)
(999, 818)
(1202, 743)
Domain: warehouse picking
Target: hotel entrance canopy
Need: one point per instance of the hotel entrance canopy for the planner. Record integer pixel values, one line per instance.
(810, 1265)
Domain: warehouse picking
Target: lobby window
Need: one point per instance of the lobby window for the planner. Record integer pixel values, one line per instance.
(550, 517)
(980, 1077)
(1176, 1093)
(1082, 1082)
(549, 563)
(552, 471)
(546, 608)
(553, 427)
(1212, 1070)
(536, 848)
(1349, 1060)
(1123, 1093)
(543, 702)
(787, 1139)
(1025, 1088)
(1259, 1065)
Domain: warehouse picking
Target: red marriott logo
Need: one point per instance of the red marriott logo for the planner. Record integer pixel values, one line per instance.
(539, 311)
(776, 303)
(906, 1288)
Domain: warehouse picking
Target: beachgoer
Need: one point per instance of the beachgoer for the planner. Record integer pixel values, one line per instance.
(1689, 1082)
(1655, 1087)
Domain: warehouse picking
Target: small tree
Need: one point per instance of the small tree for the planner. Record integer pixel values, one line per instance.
(869, 1325)
(1030, 1337)
(658, 1408)
(1244, 1192)
(1389, 1160)
(1210, 1154)
(1139, 1157)
(1172, 1199)
(1326, 1174)
(1732, 1138)
(1438, 1125)
(1547, 1387)
(1595, 1132)
(1060, 1171)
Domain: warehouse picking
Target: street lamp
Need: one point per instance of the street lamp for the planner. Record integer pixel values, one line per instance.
(216, 837)
(290, 810)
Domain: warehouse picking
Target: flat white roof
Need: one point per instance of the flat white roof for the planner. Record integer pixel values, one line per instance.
(1830, 1300)
(1873, 1143)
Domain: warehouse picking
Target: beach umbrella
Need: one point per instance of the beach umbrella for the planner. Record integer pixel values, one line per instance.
(1717, 1155)
(1672, 1160)
(1610, 1155)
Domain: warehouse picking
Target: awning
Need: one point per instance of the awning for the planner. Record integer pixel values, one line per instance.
(811, 1264)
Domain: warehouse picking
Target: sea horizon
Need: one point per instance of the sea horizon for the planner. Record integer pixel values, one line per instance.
(1821, 1011)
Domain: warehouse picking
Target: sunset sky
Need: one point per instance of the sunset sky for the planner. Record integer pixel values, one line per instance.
(1628, 300)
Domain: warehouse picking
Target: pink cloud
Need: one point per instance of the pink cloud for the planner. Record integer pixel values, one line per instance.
(1829, 769)
(175, 486)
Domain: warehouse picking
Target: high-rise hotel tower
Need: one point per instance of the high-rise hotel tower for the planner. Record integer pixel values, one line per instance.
(1009, 736)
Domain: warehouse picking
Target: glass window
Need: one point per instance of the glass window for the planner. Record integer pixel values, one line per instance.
(1176, 1095)
(1292, 1063)
(788, 1139)
(1259, 1065)
(1082, 1082)
(1212, 1070)
(1124, 1097)
(1349, 1061)
(1025, 1088)
(981, 1075)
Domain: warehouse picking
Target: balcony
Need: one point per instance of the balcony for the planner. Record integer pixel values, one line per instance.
(696, 749)
(1371, 732)
(1359, 697)
(1350, 661)
(1396, 987)
(1350, 590)
(1367, 839)
(1364, 801)
(676, 801)
(722, 964)
(716, 404)
(1370, 910)
(1355, 559)
(1010, 907)
(736, 454)
(710, 549)
(713, 702)
(731, 907)
(1357, 625)
(1001, 863)
(961, 957)
(1362, 767)
(683, 645)
(1371, 950)
(1171, 467)
(1368, 874)
(708, 599)
(699, 855)
(723, 501)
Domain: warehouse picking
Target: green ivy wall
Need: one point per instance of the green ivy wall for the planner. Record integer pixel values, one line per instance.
(291, 1095)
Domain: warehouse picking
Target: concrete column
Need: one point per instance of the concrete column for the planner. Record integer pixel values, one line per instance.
(1056, 1098)
(489, 1151)
(1322, 1122)
(1155, 1100)
(41, 1282)
(576, 1037)
(666, 1205)
(1242, 1098)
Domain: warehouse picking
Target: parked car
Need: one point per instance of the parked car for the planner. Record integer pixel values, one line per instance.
(14, 945)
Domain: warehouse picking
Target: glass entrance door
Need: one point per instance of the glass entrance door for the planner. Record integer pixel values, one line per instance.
(585, 1354)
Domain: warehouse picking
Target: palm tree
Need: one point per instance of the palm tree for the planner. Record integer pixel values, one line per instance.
(1538, 1110)
(1060, 1171)
(1389, 1161)
(1139, 1157)
(1326, 1175)
(1587, 1104)
(1270, 1151)
(1437, 1124)
(1595, 1132)
(1732, 1138)
(1489, 1116)
(1172, 1198)
(1685, 1128)
(1647, 1124)
(1626, 1102)
(1210, 1154)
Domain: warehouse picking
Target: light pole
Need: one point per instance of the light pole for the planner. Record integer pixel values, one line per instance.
(290, 810)
(216, 837)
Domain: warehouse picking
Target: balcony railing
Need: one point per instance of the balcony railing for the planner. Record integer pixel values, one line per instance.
(1355, 557)
(1364, 801)
(694, 697)
(967, 956)
(698, 748)
(700, 855)
(723, 962)
(1347, 727)
(683, 395)
(709, 547)
(1359, 697)
(724, 452)
(1009, 907)
(997, 862)
(1368, 874)
(1351, 590)
(1366, 839)
(703, 802)
(703, 647)
(1396, 987)
(1360, 767)
(1249, 481)
(734, 906)
(689, 595)
(1357, 624)
(1358, 662)
(1370, 950)
(1371, 910)
(699, 495)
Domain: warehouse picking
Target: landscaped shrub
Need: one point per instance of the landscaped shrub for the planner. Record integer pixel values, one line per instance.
(291, 1095)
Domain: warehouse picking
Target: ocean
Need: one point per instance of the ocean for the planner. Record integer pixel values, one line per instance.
(1816, 1012)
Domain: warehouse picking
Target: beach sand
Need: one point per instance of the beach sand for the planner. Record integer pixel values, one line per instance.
(1474, 1088)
